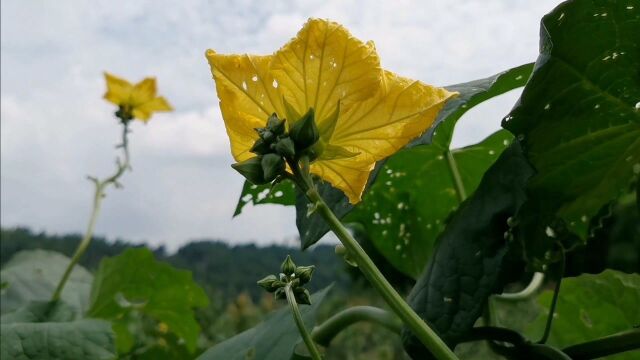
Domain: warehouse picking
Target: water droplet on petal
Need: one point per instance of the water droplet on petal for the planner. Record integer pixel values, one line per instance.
(550, 232)
(547, 107)
(244, 85)
(491, 152)
(254, 78)
(275, 83)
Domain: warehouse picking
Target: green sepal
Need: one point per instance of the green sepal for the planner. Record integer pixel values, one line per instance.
(280, 294)
(304, 132)
(288, 267)
(251, 169)
(272, 166)
(286, 147)
(290, 112)
(328, 125)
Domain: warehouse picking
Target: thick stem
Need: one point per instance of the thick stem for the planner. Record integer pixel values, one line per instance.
(297, 317)
(427, 336)
(323, 334)
(101, 185)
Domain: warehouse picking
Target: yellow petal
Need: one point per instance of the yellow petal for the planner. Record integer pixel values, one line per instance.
(118, 90)
(384, 124)
(248, 95)
(144, 111)
(143, 92)
(324, 65)
(349, 175)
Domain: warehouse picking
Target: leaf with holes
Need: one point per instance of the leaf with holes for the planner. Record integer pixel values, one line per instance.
(403, 223)
(33, 276)
(468, 263)
(134, 280)
(471, 94)
(579, 117)
(45, 330)
(283, 193)
(273, 339)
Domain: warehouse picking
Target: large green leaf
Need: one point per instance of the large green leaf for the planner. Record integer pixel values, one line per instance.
(471, 94)
(44, 330)
(590, 307)
(469, 260)
(404, 223)
(579, 117)
(135, 281)
(33, 276)
(273, 339)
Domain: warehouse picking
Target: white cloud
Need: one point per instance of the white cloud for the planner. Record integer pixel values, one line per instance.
(55, 127)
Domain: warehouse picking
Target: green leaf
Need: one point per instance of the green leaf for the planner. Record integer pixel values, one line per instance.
(590, 307)
(273, 339)
(134, 280)
(33, 276)
(44, 330)
(471, 94)
(579, 115)
(469, 261)
(283, 193)
(403, 223)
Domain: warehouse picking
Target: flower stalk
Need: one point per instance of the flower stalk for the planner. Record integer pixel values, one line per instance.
(297, 317)
(101, 185)
(398, 305)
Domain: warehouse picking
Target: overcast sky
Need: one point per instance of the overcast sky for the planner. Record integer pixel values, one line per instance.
(56, 129)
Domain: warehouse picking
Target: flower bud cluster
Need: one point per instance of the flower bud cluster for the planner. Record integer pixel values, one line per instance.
(275, 146)
(292, 275)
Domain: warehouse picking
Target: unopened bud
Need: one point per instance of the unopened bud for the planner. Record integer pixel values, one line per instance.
(280, 294)
(304, 273)
(302, 296)
(288, 267)
(305, 132)
(251, 169)
(272, 166)
(269, 283)
(286, 147)
(275, 125)
(260, 147)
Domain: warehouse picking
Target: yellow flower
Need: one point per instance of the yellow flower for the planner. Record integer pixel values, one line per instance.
(325, 68)
(139, 100)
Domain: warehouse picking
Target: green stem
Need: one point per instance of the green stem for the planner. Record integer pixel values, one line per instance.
(297, 317)
(536, 282)
(608, 345)
(455, 174)
(101, 185)
(554, 301)
(425, 334)
(323, 334)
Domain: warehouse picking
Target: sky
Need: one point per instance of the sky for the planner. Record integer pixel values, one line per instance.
(56, 129)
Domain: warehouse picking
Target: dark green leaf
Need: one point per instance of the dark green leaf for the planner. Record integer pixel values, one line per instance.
(274, 339)
(579, 117)
(134, 280)
(44, 330)
(403, 223)
(33, 276)
(466, 266)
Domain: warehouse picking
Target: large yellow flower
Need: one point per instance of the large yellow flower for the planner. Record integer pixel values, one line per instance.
(139, 100)
(325, 68)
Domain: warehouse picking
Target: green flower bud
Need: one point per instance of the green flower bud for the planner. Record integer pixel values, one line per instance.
(268, 283)
(302, 296)
(272, 166)
(251, 169)
(276, 125)
(305, 132)
(286, 147)
(288, 267)
(260, 147)
(303, 273)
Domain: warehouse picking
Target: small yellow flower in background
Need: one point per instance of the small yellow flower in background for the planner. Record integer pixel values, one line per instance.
(363, 113)
(135, 101)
